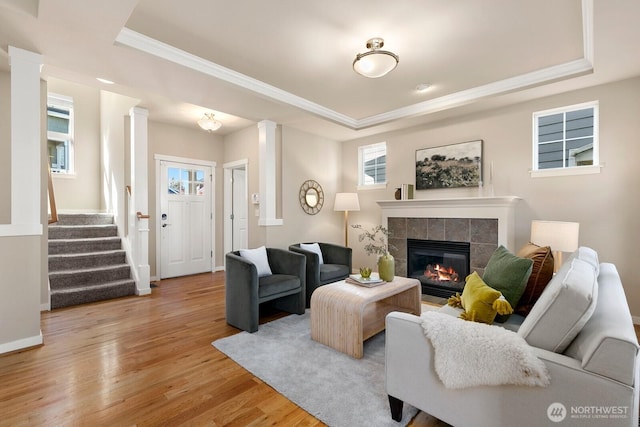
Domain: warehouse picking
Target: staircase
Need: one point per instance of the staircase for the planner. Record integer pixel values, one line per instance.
(86, 260)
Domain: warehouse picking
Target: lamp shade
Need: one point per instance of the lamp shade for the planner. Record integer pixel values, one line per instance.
(346, 202)
(209, 123)
(560, 236)
(375, 62)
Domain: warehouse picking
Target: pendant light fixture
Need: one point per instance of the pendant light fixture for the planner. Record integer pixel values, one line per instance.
(208, 123)
(375, 63)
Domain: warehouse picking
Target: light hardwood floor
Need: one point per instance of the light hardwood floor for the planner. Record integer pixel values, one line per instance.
(145, 361)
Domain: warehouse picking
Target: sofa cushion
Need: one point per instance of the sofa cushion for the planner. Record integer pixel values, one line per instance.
(541, 274)
(258, 256)
(588, 255)
(315, 248)
(508, 274)
(564, 307)
(477, 300)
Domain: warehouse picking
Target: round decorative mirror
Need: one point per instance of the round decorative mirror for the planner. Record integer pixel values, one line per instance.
(311, 197)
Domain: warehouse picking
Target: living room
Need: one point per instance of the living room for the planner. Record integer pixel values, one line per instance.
(603, 203)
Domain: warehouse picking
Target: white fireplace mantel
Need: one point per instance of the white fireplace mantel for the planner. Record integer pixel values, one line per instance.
(501, 208)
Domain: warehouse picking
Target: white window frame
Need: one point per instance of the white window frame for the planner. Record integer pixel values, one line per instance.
(362, 151)
(567, 169)
(67, 103)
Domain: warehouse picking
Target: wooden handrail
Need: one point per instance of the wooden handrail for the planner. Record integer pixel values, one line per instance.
(52, 199)
(141, 216)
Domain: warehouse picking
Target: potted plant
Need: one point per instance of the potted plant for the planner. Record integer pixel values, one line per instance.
(377, 242)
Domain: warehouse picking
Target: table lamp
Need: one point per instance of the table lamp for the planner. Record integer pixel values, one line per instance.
(346, 202)
(558, 235)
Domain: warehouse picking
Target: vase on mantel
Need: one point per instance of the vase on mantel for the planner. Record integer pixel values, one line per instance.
(386, 267)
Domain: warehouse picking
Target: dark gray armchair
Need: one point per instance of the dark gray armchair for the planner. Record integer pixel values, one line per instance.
(245, 291)
(336, 266)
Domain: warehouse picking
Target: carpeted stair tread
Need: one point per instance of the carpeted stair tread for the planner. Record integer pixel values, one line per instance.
(90, 244)
(84, 277)
(72, 261)
(86, 260)
(85, 294)
(82, 231)
(85, 219)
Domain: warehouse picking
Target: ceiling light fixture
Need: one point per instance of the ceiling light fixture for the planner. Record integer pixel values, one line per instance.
(375, 63)
(105, 81)
(208, 123)
(423, 87)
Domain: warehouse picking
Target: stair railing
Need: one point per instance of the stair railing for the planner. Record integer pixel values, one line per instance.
(53, 211)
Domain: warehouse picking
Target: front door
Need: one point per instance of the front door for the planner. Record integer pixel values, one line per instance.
(186, 219)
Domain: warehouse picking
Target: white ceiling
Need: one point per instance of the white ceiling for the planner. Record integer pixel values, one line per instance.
(290, 61)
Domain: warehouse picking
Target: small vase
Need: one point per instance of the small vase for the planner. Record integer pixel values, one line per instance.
(386, 267)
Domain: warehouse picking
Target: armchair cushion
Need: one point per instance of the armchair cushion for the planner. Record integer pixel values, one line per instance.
(315, 248)
(258, 256)
(276, 284)
(333, 272)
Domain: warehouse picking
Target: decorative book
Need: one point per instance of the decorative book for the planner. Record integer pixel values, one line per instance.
(369, 282)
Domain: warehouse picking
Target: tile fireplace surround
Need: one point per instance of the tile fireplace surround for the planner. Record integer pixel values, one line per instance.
(484, 222)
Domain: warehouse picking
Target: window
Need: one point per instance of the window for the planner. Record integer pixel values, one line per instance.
(60, 133)
(566, 139)
(185, 182)
(372, 165)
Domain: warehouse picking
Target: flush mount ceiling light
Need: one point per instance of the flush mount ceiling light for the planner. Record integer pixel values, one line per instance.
(208, 123)
(375, 63)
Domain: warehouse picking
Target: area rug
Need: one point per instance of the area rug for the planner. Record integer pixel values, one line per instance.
(333, 387)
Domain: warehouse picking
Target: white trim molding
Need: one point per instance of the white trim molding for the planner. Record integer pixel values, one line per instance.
(574, 68)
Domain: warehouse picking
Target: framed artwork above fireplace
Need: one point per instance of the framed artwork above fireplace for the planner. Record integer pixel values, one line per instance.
(449, 166)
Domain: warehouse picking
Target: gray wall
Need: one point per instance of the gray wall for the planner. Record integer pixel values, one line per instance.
(605, 204)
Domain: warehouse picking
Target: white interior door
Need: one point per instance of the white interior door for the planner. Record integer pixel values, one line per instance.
(186, 219)
(239, 209)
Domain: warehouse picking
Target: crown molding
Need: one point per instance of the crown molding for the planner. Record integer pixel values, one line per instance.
(578, 67)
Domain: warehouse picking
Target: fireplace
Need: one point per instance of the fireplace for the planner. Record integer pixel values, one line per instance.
(441, 266)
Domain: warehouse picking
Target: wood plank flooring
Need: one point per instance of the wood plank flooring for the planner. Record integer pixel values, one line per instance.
(144, 361)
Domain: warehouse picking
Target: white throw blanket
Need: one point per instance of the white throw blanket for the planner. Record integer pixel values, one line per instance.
(470, 354)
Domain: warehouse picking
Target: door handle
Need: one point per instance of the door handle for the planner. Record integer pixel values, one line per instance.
(164, 225)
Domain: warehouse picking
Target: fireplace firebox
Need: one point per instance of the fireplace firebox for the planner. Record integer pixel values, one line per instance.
(440, 266)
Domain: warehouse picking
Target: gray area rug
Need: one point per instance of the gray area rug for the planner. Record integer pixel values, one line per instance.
(333, 387)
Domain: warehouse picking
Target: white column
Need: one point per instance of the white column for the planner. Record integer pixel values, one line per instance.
(267, 170)
(26, 112)
(140, 198)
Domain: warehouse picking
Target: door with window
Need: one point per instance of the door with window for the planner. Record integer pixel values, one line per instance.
(186, 219)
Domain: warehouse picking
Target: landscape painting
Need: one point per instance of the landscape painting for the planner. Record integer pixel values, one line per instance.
(449, 166)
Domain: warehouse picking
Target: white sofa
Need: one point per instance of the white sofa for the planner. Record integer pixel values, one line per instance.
(594, 374)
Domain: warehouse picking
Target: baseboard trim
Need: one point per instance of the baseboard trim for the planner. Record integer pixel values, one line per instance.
(45, 307)
(219, 268)
(21, 344)
(636, 320)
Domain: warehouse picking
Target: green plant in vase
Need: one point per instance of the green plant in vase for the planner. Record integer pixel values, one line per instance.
(377, 242)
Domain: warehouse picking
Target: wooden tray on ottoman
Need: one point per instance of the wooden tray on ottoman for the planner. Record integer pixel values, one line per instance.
(344, 315)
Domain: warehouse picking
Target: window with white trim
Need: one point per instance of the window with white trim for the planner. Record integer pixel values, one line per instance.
(566, 138)
(372, 165)
(60, 133)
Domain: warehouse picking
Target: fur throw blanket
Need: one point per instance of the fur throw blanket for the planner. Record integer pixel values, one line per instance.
(470, 354)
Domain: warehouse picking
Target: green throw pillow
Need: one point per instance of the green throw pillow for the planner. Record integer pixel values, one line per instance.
(508, 274)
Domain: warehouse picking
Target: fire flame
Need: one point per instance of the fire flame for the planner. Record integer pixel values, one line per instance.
(441, 273)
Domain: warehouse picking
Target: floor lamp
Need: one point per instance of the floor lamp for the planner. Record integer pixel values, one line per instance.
(559, 236)
(346, 202)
